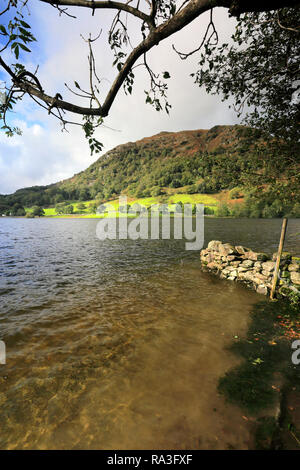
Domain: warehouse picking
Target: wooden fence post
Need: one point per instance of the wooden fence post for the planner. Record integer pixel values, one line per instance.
(275, 276)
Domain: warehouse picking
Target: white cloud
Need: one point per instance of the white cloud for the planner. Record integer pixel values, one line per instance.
(39, 156)
(44, 155)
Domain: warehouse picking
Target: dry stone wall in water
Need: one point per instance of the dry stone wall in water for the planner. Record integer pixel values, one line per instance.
(238, 263)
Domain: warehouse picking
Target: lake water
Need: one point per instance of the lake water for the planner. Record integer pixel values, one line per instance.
(120, 344)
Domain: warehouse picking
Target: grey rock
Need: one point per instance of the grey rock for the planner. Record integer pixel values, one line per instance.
(249, 276)
(230, 268)
(256, 256)
(248, 263)
(268, 274)
(295, 278)
(242, 269)
(268, 266)
(226, 249)
(294, 267)
(214, 245)
(246, 276)
(231, 258)
(235, 263)
(262, 289)
(241, 249)
(226, 272)
(261, 276)
(213, 265)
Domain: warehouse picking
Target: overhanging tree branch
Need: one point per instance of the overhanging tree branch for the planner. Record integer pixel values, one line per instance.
(162, 22)
(96, 5)
(29, 88)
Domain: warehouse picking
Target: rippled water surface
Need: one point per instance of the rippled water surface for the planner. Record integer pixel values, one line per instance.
(119, 344)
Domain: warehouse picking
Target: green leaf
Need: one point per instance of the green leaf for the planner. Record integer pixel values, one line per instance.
(26, 25)
(3, 30)
(24, 47)
(173, 9)
(17, 51)
(24, 31)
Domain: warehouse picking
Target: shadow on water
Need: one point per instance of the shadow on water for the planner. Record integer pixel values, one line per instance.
(268, 378)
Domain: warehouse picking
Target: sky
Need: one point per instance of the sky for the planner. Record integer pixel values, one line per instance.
(44, 154)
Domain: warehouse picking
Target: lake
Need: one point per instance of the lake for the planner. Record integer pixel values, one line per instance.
(120, 344)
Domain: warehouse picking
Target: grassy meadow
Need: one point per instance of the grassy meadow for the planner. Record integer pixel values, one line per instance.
(209, 200)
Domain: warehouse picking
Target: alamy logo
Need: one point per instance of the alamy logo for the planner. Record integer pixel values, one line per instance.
(2, 353)
(150, 223)
(296, 354)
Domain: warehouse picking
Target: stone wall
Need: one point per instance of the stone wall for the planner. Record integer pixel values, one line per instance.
(237, 263)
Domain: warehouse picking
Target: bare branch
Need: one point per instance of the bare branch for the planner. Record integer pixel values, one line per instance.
(295, 30)
(162, 12)
(213, 34)
(6, 9)
(153, 10)
(29, 88)
(92, 66)
(95, 5)
(175, 23)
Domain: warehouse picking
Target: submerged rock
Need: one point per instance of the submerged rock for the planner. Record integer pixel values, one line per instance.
(262, 289)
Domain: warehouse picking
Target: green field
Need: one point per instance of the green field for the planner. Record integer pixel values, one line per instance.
(206, 199)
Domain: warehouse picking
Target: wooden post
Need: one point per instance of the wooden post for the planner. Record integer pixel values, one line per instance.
(275, 276)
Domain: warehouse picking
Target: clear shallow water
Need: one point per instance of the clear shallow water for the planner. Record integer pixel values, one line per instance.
(119, 344)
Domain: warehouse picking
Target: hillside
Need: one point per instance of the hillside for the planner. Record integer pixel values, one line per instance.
(207, 162)
(165, 160)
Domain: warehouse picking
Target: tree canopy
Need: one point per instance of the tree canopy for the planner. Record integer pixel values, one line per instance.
(260, 70)
(159, 19)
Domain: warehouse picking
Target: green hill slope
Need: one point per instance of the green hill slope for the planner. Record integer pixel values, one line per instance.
(190, 166)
